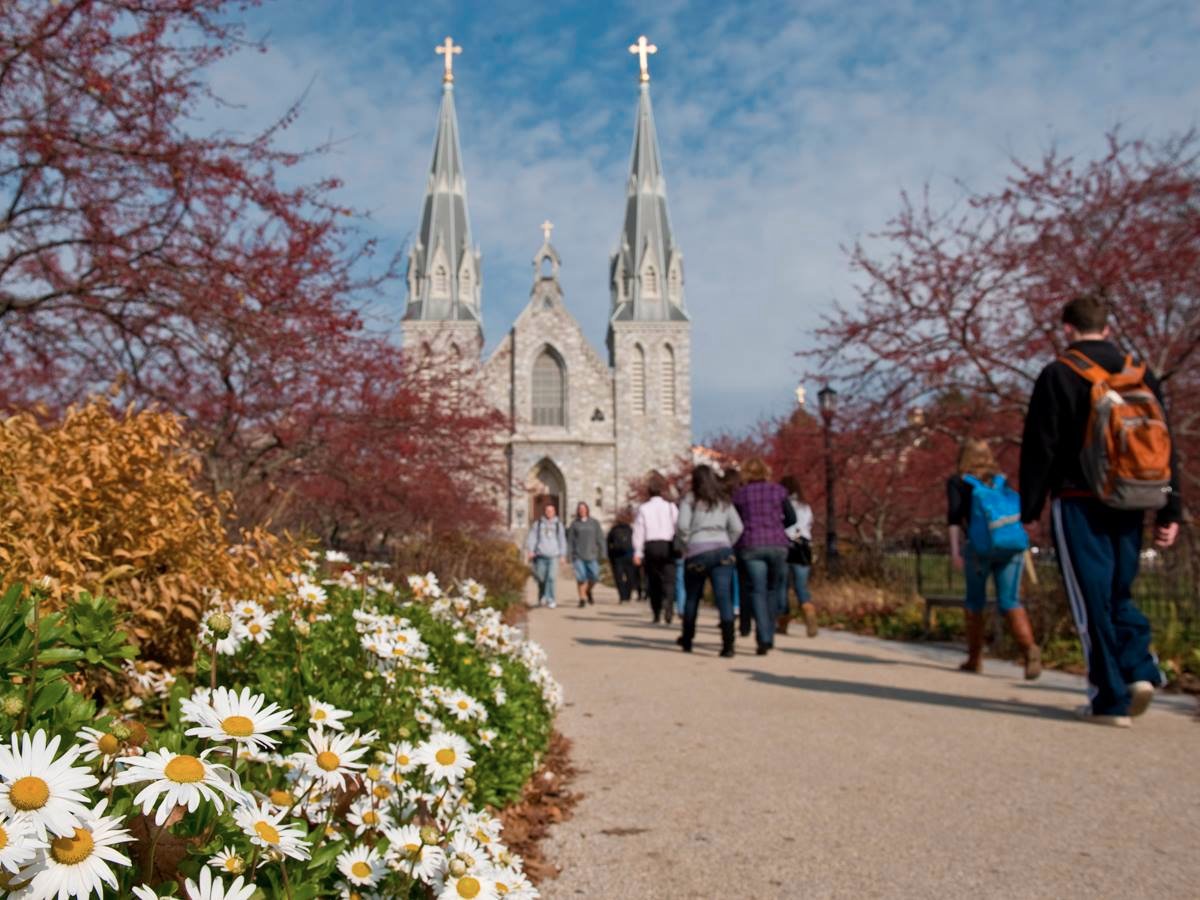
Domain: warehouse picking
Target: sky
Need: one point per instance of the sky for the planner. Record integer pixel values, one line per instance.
(788, 131)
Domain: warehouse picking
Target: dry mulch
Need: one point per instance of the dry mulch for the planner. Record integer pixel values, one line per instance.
(546, 801)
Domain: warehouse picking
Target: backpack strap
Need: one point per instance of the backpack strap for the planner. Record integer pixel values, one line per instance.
(1083, 366)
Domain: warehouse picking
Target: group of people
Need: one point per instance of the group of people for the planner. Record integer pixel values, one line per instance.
(744, 535)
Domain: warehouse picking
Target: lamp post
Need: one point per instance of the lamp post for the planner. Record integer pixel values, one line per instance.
(827, 399)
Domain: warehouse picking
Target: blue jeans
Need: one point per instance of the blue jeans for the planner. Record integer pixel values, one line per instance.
(545, 568)
(586, 570)
(799, 578)
(718, 566)
(1006, 572)
(766, 577)
(1098, 553)
(680, 596)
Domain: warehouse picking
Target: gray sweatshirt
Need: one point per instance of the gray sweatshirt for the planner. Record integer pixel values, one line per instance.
(708, 528)
(547, 538)
(585, 540)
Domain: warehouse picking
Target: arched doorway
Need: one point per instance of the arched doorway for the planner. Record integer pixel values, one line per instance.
(545, 484)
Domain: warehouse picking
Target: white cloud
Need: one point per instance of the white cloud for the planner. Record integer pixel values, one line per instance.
(786, 133)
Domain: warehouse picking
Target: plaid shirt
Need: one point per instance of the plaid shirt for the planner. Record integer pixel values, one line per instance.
(760, 504)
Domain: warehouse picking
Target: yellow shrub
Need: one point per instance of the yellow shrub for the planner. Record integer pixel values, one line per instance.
(106, 502)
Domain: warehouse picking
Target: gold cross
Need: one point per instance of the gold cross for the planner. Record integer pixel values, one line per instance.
(643, 51)
(448, 49)
(547, 227)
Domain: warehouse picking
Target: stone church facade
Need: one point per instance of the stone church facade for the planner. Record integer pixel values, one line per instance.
(580, 425)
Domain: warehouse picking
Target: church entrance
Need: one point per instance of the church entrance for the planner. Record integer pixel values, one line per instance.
(545, 484)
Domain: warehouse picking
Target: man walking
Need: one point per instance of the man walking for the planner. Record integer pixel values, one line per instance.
(545, 544)
(585, 539)
(1096, 442)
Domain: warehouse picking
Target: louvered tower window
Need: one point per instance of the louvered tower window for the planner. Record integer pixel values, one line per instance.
(637, 380)
(668, 380)
(441, 281)
(650, 282)
(549, 391)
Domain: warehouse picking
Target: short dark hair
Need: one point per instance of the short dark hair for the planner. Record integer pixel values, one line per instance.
(791, 484)
(656, 484)
(1087, 313)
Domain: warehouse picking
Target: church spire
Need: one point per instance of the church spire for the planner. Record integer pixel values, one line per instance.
(443, 264)
(646, 271)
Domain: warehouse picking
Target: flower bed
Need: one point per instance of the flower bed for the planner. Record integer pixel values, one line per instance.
(349, 740)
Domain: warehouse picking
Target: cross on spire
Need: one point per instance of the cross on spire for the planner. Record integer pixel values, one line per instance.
(448, 49)
(547, 227)
(643, 49)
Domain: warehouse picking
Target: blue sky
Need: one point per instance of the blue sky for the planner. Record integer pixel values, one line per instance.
(788, 130)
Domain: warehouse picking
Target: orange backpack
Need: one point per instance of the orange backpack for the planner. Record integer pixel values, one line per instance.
(1126, 452)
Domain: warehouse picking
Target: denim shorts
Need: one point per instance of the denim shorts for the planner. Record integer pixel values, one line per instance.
(587, 569)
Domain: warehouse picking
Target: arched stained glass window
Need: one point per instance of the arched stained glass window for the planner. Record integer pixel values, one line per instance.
(637, 380)
(549, 390)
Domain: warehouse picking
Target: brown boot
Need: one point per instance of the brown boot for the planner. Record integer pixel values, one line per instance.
(810, 618)
(1018, 621)
(781, 623)
(974, 661)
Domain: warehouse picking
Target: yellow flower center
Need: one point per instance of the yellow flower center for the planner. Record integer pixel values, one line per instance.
(374, 773)
(468, 887)
(29, 793)
(254, 628)
(237, 726)
(446, 757)
(234, 864)
(501, 887)
(402, 760)
(72, 850)
(402, 639)
(412, 849)
(398, 651)
(141, 668)
(108, 744)
(281, 798)
(267, 832)
(328, 761)
(3, 838)
(382, 791)
(370, 817)
(464, 705)
(184, 769)
(360, 869)
(318, 715)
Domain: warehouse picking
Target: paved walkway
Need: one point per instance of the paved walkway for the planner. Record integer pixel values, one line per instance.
(848, 767)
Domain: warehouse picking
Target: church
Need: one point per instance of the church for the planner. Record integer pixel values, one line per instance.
(581, 424)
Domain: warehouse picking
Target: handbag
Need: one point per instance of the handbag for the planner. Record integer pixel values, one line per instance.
(800, 552)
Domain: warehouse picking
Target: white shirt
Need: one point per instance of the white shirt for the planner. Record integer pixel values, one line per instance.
(804, 520)
(655, 522)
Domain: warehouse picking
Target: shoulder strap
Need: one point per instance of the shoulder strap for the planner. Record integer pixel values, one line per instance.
(973, 481)
(1082, 365)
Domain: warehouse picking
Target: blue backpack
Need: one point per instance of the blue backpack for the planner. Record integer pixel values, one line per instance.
(995, 529)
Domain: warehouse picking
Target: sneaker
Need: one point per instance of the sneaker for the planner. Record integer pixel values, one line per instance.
(1087, 715)
(1142, 692)
(550, 604)
(582, 604)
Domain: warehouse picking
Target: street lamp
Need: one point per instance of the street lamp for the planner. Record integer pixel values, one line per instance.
(827, 400)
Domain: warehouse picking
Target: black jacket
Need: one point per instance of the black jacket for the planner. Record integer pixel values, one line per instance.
(1054, 433)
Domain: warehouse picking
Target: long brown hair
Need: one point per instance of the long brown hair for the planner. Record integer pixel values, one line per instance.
(975, 458)
(706, 488)
(756, 469)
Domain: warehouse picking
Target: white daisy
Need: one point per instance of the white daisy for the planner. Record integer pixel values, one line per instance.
(210, 888)
(248, 609)
(311, 593)
(231, 716)
(486, 736)
(325, 715)
(18, 843)
(226, 646)
(97, 743)
(180, 780)
(463, 706)
(366, 817)
(512, 884)
(77, 865)
(407, 852)
(362, 865)
(402, 756)
(228, 861)
(331, 758)
(474, 885)
(258, 629)
(141, 673)
(445, 756)
(45, 791)
(336, 556)
(145, 892)
(264, 826)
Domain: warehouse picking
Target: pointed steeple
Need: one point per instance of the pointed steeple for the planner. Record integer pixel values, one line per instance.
(646, 271)
(443, 264)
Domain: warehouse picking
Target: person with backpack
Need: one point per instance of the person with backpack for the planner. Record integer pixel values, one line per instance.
(986, 540)
(800, 557)
(653, 534)
(545, 544)
(620, 555)
(1097, 443)
(585, 538)
(708, 528)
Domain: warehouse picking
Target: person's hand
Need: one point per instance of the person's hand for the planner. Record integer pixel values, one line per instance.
(637, 560)
(957, 559)
(1164, 535)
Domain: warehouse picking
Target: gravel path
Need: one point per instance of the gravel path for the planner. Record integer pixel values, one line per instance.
(843, 766)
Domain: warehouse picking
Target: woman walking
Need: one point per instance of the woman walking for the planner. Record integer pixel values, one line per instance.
(653, 532)
(799, 558)
(762, 549)
(585, 542)
(978, 472)
(708, 528)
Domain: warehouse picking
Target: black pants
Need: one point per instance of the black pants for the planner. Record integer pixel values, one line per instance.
(624, 574)
(660, 577)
